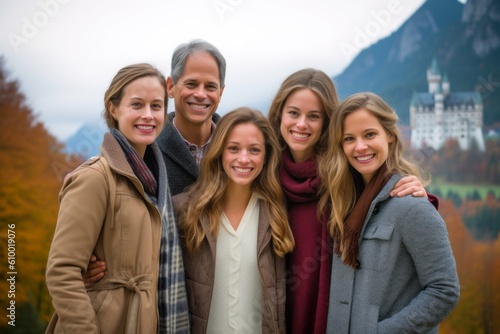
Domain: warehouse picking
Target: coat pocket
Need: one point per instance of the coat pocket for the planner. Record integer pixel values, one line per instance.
(372, 319)
(375, 246)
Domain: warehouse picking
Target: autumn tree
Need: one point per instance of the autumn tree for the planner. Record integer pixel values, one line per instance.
(29, 188)
(492, 172)
(478, 267)
(455, 159)
(453, 164)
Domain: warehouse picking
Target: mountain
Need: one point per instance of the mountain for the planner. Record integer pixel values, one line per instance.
(86, 141)
(464, 39)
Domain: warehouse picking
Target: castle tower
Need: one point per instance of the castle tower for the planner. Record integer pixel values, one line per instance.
(445, 85)
(433, 77)
(438, 134)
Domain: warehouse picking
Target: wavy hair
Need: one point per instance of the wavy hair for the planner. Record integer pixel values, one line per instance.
(338, 187)
(318, 82)
(206, 194)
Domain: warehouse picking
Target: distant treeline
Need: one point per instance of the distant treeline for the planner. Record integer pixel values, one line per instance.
(480, 213)
(453, 164)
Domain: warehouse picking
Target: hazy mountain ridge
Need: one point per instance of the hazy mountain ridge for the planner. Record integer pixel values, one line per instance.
(86, 141)
(482, 32)
(465, 39)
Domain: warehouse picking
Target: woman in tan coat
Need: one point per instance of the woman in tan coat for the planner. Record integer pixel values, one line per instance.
(117, 206)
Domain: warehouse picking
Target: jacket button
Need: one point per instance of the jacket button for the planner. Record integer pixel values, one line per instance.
(358, 264)
(376, 210)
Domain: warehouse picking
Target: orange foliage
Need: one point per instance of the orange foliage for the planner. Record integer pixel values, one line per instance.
(32, 168)
(479, 272)
(29, 187)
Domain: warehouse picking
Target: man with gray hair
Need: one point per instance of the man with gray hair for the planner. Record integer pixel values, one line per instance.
(196, 84)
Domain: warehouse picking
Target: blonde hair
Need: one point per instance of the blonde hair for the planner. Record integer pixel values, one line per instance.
(338, 183)
(206, 194)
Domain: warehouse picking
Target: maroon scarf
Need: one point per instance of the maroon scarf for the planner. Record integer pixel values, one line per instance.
(354, 222)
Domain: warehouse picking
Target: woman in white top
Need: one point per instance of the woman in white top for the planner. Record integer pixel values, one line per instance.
(235, 230)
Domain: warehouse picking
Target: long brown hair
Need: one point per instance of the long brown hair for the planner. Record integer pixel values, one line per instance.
(338, 189)
(206, 194)
(319, 83)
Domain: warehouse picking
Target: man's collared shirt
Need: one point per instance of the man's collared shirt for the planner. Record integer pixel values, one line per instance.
(196, 151)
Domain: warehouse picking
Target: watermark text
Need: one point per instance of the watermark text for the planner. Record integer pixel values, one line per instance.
(30, 26)
(11, 274)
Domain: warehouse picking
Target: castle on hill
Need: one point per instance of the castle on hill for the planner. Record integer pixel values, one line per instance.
(439, 114)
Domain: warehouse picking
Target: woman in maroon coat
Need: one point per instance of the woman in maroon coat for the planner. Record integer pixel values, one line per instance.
(300, 113)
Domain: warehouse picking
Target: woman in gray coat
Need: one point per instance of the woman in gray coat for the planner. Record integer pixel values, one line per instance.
(394, 271)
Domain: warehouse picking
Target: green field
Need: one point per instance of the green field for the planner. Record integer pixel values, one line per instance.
(463, 189)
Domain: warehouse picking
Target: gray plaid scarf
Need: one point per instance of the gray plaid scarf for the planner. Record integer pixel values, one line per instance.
(172, 297)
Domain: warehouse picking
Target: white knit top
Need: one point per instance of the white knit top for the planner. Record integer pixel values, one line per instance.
(236, 305)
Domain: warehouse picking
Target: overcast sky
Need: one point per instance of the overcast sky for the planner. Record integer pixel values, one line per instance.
(64, 53)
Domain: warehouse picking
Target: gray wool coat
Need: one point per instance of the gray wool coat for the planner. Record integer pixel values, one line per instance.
(407, 280)
(181, 167)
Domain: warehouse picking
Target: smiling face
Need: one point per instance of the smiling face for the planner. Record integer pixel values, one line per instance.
(244, 154)
(365, 142)
(197, 92)
(301, 123)
(141, 112)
